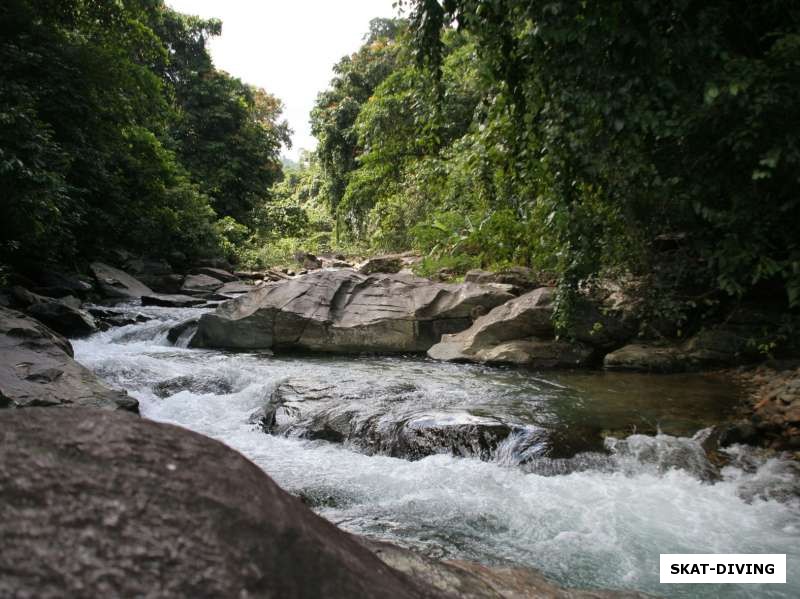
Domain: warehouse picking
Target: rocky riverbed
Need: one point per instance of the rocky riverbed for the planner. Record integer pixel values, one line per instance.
(584, 475)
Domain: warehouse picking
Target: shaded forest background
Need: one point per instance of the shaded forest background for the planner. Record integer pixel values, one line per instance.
(655, 141)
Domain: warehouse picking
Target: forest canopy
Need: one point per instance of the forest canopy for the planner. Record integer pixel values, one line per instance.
(116, 131)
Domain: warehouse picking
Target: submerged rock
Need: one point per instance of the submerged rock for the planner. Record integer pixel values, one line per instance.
(118, 284)
(320, 413)
(119, 506)
(776, 414)
(37, 369)
(344, 311)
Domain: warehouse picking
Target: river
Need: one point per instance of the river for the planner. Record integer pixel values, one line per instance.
(566, 492)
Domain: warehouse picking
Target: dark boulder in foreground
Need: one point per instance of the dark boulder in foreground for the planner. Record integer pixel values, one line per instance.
(102, 504)
(37, 369)
(345, 311)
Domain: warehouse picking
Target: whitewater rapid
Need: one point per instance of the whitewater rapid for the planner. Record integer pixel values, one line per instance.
(601, 524)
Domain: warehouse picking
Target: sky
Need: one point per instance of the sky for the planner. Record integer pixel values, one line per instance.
(287, 47)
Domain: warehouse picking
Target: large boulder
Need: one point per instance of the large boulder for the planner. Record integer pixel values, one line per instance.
(344, 311)
(200, 285)
(55, 284)
(166, 283)
(118, 284)
(643, 357)
(119, 506)
(297, 409)
(59, 315)
(517, 332)
(37, 369)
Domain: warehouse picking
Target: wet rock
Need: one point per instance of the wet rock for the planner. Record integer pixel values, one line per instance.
(517, 332)
(343, 311)
(317, 412)
(128, 495)
(201, 385)
(171, 301)
(200, 284)
(182, 331)
(117, 284)
(59, 315)
(469, 580)
(217, 273)
(108, 318)
(37, 369)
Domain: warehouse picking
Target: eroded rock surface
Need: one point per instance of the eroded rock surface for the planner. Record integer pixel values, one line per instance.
(345, 311)
(517, 332)
(118, 506)
(37, 369)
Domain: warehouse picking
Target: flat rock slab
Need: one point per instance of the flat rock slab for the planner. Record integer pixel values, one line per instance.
(103, 504)
(115, 283)
(172, 301)
(37, 369)
(216, 273)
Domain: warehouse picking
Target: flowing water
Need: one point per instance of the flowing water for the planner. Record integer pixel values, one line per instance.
(592, 475)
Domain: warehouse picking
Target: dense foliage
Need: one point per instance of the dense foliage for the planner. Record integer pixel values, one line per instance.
(582, 138)
(117, 131)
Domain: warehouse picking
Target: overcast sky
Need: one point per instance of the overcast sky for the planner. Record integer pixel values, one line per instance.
(287, 47)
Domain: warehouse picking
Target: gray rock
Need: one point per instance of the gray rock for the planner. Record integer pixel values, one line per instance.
(118, 284)
(171, 301)
(167, 283)
(296, 409)
(217, 273)
(37, 369)
(120, 506)
(182, 331)
(200, 284)
(59, 315)
(517, 332)
(344, 311)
